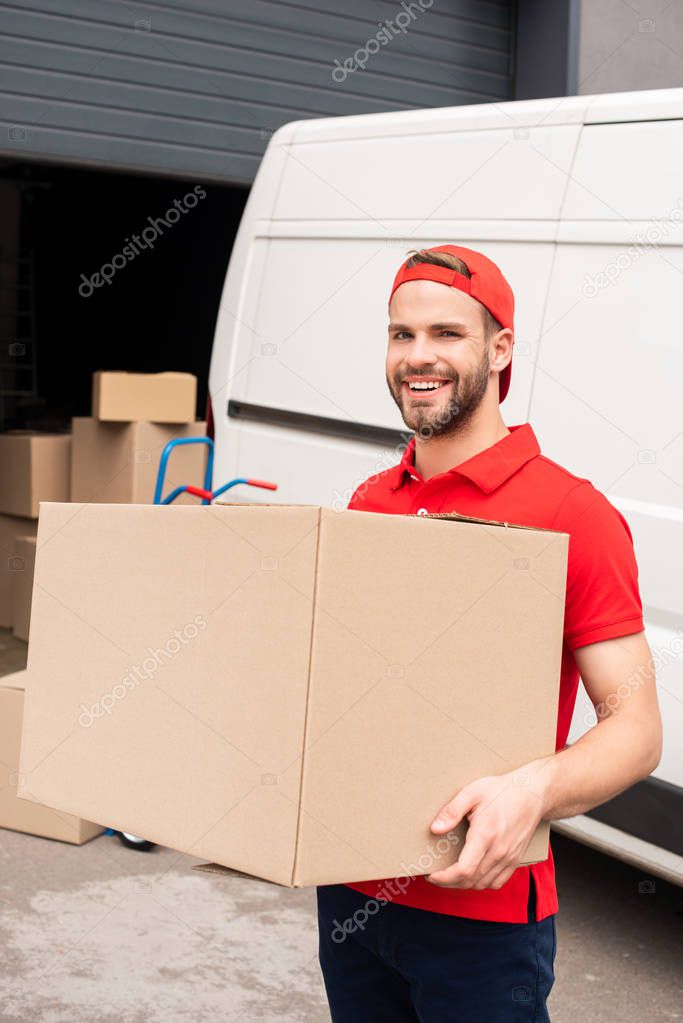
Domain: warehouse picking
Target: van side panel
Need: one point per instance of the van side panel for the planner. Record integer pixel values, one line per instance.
(606, 396)
(324, 245)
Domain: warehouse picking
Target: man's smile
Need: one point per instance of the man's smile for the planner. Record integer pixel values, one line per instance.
(424, 386)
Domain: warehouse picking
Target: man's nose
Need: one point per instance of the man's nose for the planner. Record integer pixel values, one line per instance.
(421, 351)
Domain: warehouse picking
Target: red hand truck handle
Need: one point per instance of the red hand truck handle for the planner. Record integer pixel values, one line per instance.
(206, 495)
(262, 483)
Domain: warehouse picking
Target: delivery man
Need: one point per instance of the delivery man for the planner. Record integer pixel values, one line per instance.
(475, 943)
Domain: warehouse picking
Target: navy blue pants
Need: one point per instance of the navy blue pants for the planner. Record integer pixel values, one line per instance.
(397, 964)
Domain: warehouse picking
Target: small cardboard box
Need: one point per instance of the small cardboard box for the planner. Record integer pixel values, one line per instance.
(286, 690)
(144, 397)
(34, 467)
(117, 463)
(21, 580)
(11, 528)
(19, 814)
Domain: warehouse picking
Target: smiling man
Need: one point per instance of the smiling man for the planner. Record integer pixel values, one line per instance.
(475, 943)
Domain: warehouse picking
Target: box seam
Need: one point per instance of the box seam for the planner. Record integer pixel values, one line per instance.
(295, 862)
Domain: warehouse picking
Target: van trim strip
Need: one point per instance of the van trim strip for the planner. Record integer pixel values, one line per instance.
(348, 429)
(651, 810)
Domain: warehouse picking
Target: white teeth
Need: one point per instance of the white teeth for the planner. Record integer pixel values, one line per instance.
(429, 386)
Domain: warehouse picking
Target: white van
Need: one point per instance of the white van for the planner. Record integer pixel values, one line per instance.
(580, 202)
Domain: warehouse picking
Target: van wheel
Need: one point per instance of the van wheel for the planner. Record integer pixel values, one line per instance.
(133, 842)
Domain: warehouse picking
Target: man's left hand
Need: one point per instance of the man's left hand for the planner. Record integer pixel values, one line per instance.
(503, 813)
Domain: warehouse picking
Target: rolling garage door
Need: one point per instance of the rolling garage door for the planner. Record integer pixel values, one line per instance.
(194, 89)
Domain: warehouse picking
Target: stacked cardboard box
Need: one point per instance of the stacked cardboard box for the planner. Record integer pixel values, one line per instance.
(116, 452)
(144, 397)
(21, 584)
(34, 467)
(113, 459)
(12, 529)
(117, 463)
(110, 458)
(20, 814)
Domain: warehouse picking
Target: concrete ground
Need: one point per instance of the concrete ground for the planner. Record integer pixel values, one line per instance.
(102, 933)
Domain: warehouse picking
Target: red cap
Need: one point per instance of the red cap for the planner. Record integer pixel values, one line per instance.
(486, 284)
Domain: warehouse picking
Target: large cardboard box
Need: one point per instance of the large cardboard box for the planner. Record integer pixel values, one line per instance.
(34, 467)
(117, 463)
(21, 581)
(20, 814)
(145, 397)
(11, 528)
(286, 690)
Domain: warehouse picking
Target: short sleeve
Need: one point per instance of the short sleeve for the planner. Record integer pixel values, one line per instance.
(360, 499)
(603, 600)
(356, 500)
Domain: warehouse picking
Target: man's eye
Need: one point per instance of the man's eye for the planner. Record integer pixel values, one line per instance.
(401, 334)
(450, 333)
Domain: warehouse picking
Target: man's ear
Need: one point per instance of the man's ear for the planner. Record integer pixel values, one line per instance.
(500, 349)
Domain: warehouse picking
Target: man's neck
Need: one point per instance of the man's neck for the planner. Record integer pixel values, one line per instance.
(439, 454)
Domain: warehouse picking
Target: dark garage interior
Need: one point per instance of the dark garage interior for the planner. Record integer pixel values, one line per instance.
(60, 226)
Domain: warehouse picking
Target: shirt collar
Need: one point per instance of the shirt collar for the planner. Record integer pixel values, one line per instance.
(487, 469)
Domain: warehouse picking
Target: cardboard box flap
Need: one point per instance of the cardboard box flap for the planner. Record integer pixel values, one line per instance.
(16, 680)
(262, 504)
(459, 517)
(216, 868)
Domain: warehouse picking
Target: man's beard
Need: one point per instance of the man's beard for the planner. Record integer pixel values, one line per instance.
(449, 418)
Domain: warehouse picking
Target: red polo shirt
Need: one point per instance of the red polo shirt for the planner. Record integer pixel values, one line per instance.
(512, 481)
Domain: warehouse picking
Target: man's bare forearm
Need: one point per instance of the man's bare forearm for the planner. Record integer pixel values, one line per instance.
(616, 753)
